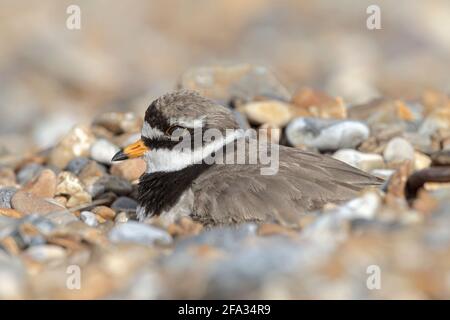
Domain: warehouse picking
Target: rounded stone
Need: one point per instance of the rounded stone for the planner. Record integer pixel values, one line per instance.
(28, 203)
(135, 232)
(363, 161)
(103, 151)
(325, 134)
(89, 218)
(398, 149)
(44, 185)
(6, 195)
(77, 164)
(124, 204)
(104, 212)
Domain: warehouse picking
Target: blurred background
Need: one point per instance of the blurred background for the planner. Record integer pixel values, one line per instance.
(127, 53)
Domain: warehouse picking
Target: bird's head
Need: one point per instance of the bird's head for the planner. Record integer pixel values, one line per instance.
(180, 129)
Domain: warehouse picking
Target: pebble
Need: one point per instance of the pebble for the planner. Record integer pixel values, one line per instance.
(275, 113)
(61, 218)
(124, 204)
(11, 213)
(363, 161)
(104, 212)
(70, 185)
(130, 169)
(89, 218)
(441, 158)
(28, 203)
(135, 232)
(421, 161)
(398, 149)
(314, 103)
(7, 177)
(91, 172)
(45, 253)
(118, 123)
(243, 82)
(76, 143)
(438, 119)
(6, 195)
(103, 151)
(77, 164)
(325, 134)
(114, 184)
(122, 217)
(13, 283)
(29, 172)
(383, 173)
(44, 185)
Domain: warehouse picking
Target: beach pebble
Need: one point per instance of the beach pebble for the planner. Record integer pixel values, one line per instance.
(77, 164)
(89, 218)
(10, 213)
(117, 185)
(28, 203)
(309, 102)
(124, 204)
(103, 151)
(104, 212)
(363, 161)
(398, 149)
(28, 172)
(441, 158)
(45, 253)
(130, 169)
(6, 195)
(421, 161)
(119, 123)
(44, 185)
(61, 218)
(122, 217)
(325, 134)
(275, 113)
(69, 185)
(135, 232)
(7, 177)
(77, 142)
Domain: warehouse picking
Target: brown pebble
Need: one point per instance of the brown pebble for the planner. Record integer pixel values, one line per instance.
(269, 229)
(29, 203)
(130, 169)
(10, 245)
(104, 212)
(184, 227)
(11, 213)
(318, 104)
(44, 185)
(7, 177)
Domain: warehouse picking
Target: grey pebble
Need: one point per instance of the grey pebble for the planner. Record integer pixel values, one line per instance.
(124, 204)
(28, 172)
(6, 195)
(326, 134)
(135, 232)
(89, 218)
(77, 164)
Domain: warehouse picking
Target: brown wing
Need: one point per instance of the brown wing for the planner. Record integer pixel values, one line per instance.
(305, 181)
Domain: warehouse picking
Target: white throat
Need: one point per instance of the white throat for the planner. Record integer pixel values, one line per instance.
(165, 160)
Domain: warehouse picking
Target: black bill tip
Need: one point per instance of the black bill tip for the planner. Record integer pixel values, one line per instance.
(119, 156)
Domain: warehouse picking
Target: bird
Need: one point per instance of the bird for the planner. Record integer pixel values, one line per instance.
(190, 181)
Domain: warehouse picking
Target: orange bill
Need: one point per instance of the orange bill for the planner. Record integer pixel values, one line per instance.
(134, 150)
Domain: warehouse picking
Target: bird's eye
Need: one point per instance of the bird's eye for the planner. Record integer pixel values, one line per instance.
(175, 132)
